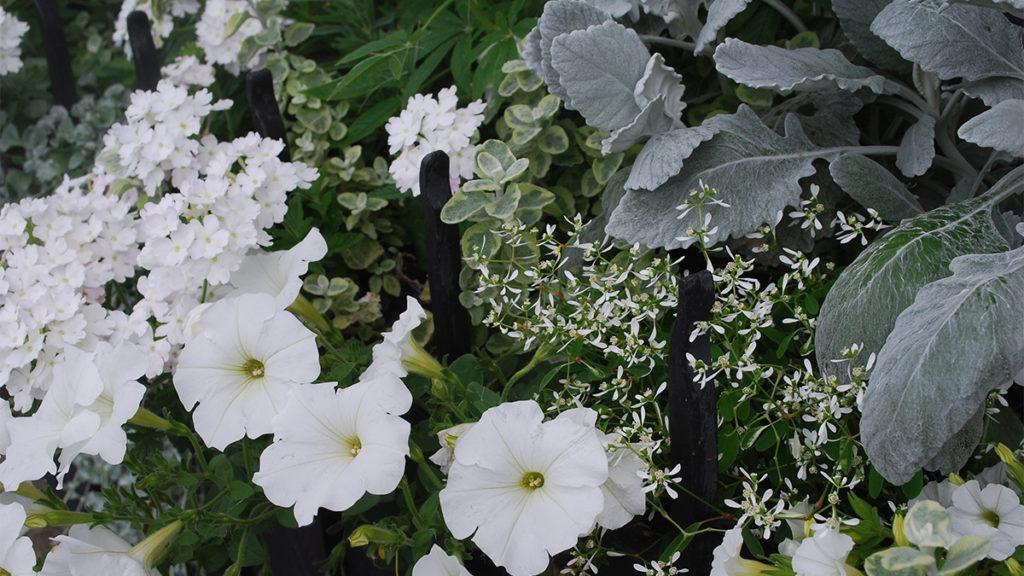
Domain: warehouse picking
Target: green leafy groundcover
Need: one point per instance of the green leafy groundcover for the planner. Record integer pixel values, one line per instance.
(210, 338)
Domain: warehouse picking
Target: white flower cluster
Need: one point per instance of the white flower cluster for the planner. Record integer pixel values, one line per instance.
(223, 29)
(57, 254)
(188, 71)
(11, 31)
(161, 14)
(428, 124)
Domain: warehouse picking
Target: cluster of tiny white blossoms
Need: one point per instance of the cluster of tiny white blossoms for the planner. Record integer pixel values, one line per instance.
(846, 226)
(222, 30)
(161, 14)
(56, 255)
(428, 124)
(611, 302)
(11, 31)
(188, 71)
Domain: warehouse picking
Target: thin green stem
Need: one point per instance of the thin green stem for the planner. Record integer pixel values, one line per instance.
(788, 14)
(540, 355)
(410, 503)
(683, 44)
(416, 454)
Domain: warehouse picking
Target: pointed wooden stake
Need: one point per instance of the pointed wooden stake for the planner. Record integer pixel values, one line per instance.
(259, 91)
(58, 60)
(144, 54)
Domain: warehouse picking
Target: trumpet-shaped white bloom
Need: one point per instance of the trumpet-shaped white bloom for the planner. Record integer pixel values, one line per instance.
(726, 559)
(248, 354)
(330, 448)
(447, 438)
(396, 356)
(438, 563)
(994, 513)
(11, 31)
(624, 495)
(92, 396)
(279, 273)
(524, 488)
(92, 551)
(823, 554)
(16, 555)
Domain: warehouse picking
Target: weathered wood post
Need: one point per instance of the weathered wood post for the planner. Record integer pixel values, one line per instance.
(144, 54)
(693, 417)
(58, 60)
(259, 91)
(444, 259)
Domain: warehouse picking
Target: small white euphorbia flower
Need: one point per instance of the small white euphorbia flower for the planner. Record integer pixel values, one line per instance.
(437, 563)
(16, 555)
(823, 554)
(994, 513)
(279, 273)
(248, 354)
(396, 356)
(92, 395)
(524, 488)
(330, 448)
(726, 560)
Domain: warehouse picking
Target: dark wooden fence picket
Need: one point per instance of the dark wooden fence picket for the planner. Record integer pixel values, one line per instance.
(58, 59)
(693, 418)
(144, 54)
(444, 260)
(259, 91)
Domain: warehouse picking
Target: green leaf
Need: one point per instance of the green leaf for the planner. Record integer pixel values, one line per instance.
(899, 562)
(922, 392)
(965, 552)
(463, 205)
(371, 120)
(862, 306)
(927, 525)
(296, 33)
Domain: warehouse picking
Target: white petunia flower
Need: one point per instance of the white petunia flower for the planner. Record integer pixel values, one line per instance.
(624, 495)
(447, 438)
(396, 356)
(16, 555)
(438, 563)
(279, 273)
(93, 551)
(524, 488)
(92, 396)
(240, 367)
(994, 513)
(726, 560)
(330, 448)
(823, 554)
(11, 31)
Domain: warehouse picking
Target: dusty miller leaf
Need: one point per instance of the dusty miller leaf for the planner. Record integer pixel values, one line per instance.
(1000, 128)
(559, 17)
(855, 17)
(802, 69)
(867, 182)
(1015, 7)
(663, 155)
(719, 14)
(755, 171)
(664, 81)
(863, 304)
(831, 121)
(959, 340)
(917, 148)
(599, 69)
(652, 120)
(975, 44)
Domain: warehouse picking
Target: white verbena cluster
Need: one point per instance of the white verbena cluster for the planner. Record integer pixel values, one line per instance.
(11, 31)
(223, 29)
(161, 14)
(188, 71)
(428, 124)
(57, 254)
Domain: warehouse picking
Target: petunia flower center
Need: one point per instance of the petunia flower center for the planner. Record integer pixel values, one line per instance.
(990, 517)
(354, 446)
(533, 480)
(254, 368)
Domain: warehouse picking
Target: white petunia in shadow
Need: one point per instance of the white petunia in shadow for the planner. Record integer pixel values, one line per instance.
(522, 488)
(16, 555)
(95, 551)
(278, 273)
(240, 366)
(330, 448)
(92, 396)
(823, 554)
(994, 513)
(727, 561)
(438, 563)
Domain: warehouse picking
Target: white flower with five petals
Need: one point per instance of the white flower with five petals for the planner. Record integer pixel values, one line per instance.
(279, 273)
(994, 513)
(437, 563)
(16, 555)
(522, 488)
